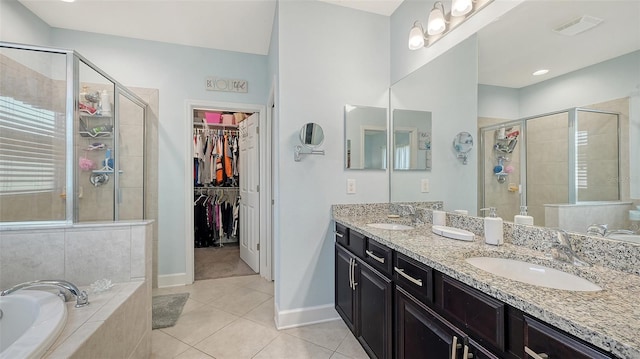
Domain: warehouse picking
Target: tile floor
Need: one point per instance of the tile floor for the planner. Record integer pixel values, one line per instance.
(233, 318)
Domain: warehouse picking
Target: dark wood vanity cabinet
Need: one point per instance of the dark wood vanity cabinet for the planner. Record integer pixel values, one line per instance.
(543, 341)
(364, 299)
(398, 307)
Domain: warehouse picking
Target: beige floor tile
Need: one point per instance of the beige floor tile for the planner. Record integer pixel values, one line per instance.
(240, 301)
(197, 324)
(337, 355)
(238, 280)
(288, 347)
(240, 339)
(263, 314)
(206, 291)
(165, 346)
(261, 285)
(329, 335)
(193, 353)
(352, 348)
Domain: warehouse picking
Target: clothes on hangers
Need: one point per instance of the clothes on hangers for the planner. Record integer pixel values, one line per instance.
(216, 218)
(216, 155)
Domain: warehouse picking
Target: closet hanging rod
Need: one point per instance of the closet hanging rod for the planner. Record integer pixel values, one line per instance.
(215, 187)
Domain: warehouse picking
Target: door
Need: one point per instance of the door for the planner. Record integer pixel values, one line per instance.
(343, 286)
(374, 297)
(249, 196)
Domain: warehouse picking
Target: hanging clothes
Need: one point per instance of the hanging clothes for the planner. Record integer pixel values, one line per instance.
(216, 218)
(216, 154)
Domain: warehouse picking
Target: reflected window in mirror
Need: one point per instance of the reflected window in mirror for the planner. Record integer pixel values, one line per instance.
(411, 140)
(365, 137)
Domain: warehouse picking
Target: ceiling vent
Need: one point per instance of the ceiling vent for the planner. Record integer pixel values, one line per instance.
(578, 25)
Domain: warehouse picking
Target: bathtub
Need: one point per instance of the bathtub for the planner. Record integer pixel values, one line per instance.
(31, 321)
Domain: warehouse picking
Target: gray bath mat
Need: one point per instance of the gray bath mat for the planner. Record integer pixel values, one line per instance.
(166, 309)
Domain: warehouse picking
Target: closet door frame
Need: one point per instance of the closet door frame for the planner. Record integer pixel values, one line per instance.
(265, 240)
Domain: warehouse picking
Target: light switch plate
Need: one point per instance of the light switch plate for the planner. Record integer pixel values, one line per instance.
(424, 185)
(351, 186)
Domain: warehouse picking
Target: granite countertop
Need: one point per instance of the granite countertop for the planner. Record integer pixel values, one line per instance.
(608, 319)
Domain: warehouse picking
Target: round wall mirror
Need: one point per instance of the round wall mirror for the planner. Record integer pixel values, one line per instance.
(311, 135)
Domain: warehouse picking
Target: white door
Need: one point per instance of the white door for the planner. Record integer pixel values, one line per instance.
(249, 197)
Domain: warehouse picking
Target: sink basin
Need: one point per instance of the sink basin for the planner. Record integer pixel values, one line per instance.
(390, 226)
(450, 232)
(533, 274)
(633, 238)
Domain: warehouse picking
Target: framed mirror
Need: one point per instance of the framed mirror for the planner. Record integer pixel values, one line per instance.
(411, 140)
(365, 131)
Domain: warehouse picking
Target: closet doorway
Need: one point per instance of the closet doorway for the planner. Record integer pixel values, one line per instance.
(226, 221)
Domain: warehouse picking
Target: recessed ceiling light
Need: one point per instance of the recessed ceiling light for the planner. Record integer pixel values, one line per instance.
(68, 0)
(540, 72)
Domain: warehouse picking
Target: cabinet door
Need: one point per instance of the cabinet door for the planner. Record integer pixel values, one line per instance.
(344, 295)
(541, 339)
(374, 299)
(423, 334)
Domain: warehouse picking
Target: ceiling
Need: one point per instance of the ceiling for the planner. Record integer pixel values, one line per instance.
(231, 25)
(523, 40)
(510, 49)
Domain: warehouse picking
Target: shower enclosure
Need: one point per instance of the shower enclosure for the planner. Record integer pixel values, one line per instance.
(72, 140)
(560, 159)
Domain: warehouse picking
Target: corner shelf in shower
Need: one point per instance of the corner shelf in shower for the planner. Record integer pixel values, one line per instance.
(85, 128)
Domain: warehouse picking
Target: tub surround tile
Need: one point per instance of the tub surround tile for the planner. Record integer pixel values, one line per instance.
(31, 256)
(114, 248)
(608, 319)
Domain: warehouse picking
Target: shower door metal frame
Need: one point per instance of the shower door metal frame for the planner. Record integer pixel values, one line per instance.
(572, 126)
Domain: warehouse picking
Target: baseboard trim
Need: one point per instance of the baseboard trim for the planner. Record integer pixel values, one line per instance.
(172, 280)
(292, 318)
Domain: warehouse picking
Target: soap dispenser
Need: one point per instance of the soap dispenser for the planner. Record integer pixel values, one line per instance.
(523, 218)
(493, 227)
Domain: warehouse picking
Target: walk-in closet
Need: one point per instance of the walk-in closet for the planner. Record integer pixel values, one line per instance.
(216, 193)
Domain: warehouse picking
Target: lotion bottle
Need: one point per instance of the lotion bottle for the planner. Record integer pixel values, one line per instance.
(493, 227)
(523, 218)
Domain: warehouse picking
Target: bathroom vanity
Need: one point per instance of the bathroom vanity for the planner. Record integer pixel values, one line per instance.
(411, 294)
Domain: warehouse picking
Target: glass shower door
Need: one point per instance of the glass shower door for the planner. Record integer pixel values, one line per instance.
(130, 159)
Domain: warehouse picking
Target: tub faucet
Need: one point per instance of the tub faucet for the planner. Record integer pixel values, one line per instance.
(597, 230)
(563, 250)
(82, 298)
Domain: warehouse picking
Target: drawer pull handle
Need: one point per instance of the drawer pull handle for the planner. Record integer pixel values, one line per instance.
(454, 347)
(350, 278)
(535, 355)
(466, 354)
(378, 259)
(338, 234)
(417, 282)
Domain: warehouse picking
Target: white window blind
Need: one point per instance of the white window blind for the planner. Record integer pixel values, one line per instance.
(31, 148)
(582, 161)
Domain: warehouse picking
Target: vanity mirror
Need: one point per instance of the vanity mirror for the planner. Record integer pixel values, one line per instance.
(311, 137)
(603, 81)
(411, 140)
(365, 130)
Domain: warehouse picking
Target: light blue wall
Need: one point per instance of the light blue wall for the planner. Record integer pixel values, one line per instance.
(329, 56)
(498, 102)
(178, 72)
(18, 24)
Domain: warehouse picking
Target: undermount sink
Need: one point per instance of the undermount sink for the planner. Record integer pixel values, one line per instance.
(454, 233)
(533, 274)
(390, 226)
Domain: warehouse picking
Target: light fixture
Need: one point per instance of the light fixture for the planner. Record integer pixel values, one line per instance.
(416, 36)
(436, 24)
(461, 7)
(68, 0)
(439, 25)
(540, 72)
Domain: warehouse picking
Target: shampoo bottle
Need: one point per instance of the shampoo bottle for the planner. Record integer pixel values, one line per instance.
(523, 218)
(493, 227)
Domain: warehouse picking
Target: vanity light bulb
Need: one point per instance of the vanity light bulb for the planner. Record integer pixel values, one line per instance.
(461, 7)
(437, 23)
(416, 38)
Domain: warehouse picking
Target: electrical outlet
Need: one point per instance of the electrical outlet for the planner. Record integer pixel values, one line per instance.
(351, 186)
(424, 185)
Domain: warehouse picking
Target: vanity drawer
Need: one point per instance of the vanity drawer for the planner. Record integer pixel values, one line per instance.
(379, 257)
(342, 235)
(357, 242)
(540, 339)
(414, 277)
(474, 311)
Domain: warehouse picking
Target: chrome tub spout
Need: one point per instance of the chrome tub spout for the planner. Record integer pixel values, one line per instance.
(82, 298)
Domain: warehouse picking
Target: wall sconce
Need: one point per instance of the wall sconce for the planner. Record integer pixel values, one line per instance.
(437, 22)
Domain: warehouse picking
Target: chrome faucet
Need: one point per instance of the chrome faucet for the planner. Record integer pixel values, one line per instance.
(597, 230)
(619, 231)
(82, 298)
(563, 250)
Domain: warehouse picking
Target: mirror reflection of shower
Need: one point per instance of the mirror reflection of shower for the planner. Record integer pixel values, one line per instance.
(563, 163)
